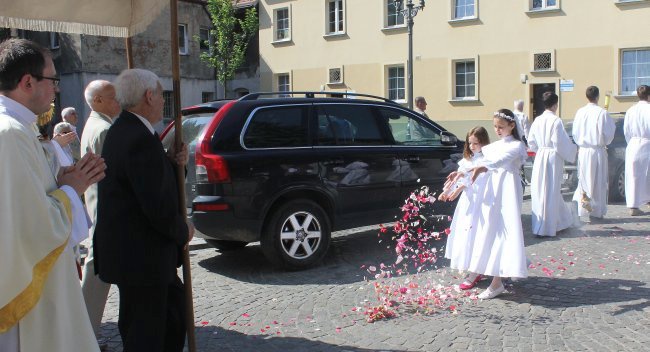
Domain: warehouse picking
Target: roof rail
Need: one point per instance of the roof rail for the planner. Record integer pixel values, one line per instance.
(310, 94)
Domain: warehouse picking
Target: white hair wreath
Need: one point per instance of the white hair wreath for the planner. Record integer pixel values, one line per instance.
(504, 116)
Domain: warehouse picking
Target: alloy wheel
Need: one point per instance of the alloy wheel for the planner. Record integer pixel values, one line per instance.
(300, 235)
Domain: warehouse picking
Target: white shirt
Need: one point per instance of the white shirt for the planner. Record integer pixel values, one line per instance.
(593, 127)
(145, 122)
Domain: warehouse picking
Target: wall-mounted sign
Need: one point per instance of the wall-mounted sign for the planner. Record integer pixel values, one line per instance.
(566, 85)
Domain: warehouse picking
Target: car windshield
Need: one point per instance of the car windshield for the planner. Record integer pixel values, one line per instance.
(193, 125)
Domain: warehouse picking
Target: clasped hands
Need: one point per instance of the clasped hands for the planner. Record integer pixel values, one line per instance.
(87, 171)
(65, 138)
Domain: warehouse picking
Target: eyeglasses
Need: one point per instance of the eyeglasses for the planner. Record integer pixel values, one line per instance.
(54, 80)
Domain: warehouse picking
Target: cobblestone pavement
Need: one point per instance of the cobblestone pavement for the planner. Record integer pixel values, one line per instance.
(589, 291)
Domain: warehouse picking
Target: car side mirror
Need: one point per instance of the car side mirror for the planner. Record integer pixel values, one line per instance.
(448, 138)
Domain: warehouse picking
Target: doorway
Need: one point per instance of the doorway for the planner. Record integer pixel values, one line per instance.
(537, 90)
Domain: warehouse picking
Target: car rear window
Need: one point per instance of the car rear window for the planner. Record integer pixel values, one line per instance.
(193, 125)
(277, 127)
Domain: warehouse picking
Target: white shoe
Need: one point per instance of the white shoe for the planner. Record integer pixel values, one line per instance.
(490, 293)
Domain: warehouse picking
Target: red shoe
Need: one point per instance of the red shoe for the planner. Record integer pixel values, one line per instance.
(468, 285)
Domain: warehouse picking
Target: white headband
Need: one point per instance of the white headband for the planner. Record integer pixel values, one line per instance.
(504, 116)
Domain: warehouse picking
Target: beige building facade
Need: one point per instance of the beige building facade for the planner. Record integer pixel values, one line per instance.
(471, 57)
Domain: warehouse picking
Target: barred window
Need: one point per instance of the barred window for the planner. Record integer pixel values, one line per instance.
(543, 62)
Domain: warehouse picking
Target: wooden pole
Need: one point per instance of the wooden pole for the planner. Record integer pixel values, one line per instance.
(180, 172)
(129, 53)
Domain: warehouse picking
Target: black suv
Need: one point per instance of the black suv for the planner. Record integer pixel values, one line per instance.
(287, 170)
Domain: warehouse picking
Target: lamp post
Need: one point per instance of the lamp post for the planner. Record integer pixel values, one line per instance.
(409, 11)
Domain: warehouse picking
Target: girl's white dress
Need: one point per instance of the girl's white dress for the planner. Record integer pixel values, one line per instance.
(463, 224)
(498, 248)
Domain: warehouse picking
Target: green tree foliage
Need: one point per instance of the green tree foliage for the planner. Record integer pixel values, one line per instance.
(230, 38)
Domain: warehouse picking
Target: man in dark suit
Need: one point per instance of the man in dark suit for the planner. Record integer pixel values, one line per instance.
(139, 235)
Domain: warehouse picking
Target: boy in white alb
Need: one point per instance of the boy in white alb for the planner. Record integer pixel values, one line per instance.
(553, 146)
(593, 130)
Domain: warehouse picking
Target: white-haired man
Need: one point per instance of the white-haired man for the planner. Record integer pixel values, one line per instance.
(101, 97)
(521, 120)
(421, 106)
(70, 116)
(140, 234)
(40, 294)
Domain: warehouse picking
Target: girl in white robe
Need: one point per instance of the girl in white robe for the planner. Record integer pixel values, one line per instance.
(463, 225)
(498, 248)
(553, 146)
(636, 127)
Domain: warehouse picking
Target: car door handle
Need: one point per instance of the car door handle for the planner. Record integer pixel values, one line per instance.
(413, 158)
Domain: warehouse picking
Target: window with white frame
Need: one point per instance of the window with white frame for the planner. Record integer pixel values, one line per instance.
(464, 79)
(283, 83)
(464, 9)
(54, 40)
(335, 17)
(204, 39)
(394, 17)
(635, 69)
(396, 83)
(282, 31)
(182, 39)
(543, 4)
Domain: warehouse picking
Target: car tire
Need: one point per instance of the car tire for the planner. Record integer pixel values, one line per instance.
(297, 235)
(617, 187)
(225, 246)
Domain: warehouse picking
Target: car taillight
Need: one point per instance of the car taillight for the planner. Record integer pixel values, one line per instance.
(531, 153)
(211, 167)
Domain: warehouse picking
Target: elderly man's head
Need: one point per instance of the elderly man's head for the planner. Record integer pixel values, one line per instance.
(519, 105)
(421, 103)
(101, 97)
(63, 128)
(27, 74)
(140, 92)
(69, 115)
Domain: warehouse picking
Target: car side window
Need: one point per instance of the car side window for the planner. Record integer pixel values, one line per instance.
(277, 127)
(347, 124)
(409, 130)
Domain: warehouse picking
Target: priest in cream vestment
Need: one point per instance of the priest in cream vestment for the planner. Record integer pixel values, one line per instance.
(41, 306)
